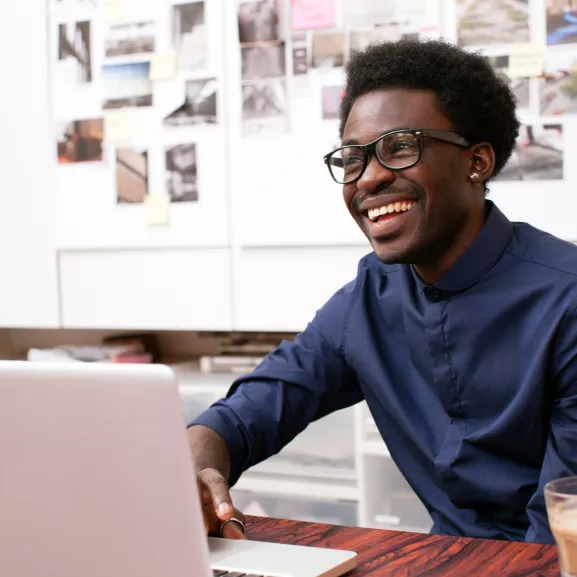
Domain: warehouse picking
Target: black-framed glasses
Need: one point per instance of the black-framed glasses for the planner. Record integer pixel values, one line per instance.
(395, 150)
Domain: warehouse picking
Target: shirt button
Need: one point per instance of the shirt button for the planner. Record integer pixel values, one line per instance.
(435, 293)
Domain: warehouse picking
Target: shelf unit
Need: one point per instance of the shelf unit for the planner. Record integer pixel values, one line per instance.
(337, 470)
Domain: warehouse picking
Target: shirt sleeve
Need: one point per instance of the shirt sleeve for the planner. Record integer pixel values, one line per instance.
(561, 451)
(300, 382)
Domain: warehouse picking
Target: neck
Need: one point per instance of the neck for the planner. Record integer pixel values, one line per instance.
(431, 272)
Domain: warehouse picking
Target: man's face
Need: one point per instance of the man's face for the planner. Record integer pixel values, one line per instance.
(431, 200)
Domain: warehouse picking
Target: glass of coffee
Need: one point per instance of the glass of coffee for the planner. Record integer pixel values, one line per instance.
(561, 500)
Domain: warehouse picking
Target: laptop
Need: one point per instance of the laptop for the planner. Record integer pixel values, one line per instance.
(96, 479)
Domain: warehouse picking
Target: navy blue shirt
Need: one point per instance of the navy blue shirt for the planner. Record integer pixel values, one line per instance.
(472, 381)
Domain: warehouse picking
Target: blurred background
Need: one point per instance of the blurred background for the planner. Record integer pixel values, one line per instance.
(164, 198)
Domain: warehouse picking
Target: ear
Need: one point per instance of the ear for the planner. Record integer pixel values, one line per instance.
(482, 162)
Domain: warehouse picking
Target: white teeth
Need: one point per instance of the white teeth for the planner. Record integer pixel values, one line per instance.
(403, 206)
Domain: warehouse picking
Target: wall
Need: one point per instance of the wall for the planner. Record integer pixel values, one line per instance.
(247, 231)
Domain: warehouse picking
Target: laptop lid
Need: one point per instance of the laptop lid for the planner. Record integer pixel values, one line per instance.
(76, 442)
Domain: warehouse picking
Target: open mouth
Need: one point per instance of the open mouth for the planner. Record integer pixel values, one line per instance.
(390, 210)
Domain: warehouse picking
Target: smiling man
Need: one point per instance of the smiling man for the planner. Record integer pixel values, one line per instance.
(460, 329)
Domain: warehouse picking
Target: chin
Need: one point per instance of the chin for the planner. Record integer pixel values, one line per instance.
(393, 255)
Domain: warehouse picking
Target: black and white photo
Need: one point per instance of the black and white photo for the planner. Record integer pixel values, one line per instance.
(130, 38)
(181, 173)
(190, 35)
(127, 85)
(258, 21)
(74, 66)
(200, 104)
(265, 61)
(538, 154)
(521, 87)
(264, 107)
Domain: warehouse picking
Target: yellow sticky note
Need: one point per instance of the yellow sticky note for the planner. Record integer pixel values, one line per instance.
(526, 60)
(112, 9)
(117, 127)
(163, 65)
(157, 207)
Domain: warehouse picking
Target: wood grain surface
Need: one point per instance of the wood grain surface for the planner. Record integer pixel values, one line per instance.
(386, 553)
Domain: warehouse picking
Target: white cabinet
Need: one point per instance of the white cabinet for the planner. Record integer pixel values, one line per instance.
(28, 291)
(187, 289)
(280, 289)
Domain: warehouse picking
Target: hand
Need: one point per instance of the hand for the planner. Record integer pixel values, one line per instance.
(217, 506)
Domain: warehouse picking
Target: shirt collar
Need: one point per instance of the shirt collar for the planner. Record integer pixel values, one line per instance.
(480, 256)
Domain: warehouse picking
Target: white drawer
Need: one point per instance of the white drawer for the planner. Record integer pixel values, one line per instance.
(296, 509)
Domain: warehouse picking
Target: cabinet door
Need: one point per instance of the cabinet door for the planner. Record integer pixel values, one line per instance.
(280, 289)
(186, 289)
(28, 291)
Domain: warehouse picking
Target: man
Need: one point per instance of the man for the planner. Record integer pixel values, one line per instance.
(460, 329)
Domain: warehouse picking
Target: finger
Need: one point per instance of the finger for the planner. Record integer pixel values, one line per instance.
(219, 493)
(233, 530)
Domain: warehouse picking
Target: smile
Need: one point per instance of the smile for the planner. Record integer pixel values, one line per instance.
(395, 207)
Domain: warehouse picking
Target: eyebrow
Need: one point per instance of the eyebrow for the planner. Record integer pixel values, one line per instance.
(353, 141)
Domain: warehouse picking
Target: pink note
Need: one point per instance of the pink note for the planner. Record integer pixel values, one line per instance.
(311, 14)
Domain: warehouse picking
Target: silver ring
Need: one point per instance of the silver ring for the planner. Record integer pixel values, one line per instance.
(231, 520)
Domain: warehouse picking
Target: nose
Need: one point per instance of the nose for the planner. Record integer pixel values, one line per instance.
(375, 178)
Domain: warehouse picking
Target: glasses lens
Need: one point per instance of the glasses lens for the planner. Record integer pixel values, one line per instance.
(346, 164)
(399, 150)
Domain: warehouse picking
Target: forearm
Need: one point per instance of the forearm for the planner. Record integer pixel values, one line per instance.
(209, 450)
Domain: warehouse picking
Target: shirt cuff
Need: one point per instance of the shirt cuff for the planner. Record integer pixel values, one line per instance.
(222, 421)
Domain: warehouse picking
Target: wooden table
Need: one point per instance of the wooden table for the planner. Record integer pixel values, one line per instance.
(386, 553)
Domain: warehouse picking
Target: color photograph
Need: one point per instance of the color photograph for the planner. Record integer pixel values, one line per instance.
(199, 104)
(258, 21)
(538, 155)
(331, 97)
(521, 87)
(190, 36)
(80, 141)
(486, 22)
(181, 173)
(127, 85)
(74, 65)
(328, 50)
(131, 175)
(131, 38)
(561, 22)
(558, 86)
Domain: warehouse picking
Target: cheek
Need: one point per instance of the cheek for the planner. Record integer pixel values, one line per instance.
(349, 192)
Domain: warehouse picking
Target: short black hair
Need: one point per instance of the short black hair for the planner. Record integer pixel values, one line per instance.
(479, 104)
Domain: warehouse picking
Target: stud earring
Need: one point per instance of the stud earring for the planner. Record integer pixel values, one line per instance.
(474, 176)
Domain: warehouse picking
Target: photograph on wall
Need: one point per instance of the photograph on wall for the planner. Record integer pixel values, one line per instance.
(328, 50)
(127, 85)
(390, 32)
(80, 140)
(264, 107)
(130, 38)
(538, 154)
(366, 13)
(561, 18)
(521, 87)
(74, 66)
(331, 99)
(486, 22)
(131, 175)
(258, 21)
(558, 86)
(190, 35)
(181, 173)
(199, 105)
(263, 61)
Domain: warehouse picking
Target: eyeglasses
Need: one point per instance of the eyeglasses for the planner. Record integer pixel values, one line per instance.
(395, 150)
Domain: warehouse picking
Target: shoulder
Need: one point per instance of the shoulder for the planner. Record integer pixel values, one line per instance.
(543, 252)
